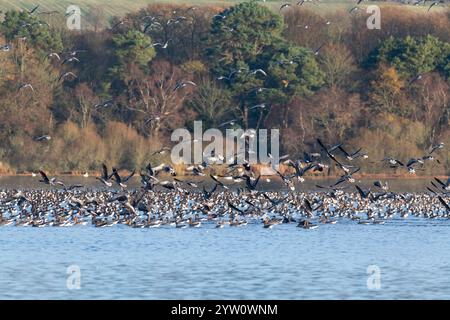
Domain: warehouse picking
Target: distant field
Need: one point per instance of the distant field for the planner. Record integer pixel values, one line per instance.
(120, 7)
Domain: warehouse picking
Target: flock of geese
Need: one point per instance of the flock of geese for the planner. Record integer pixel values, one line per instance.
(233, 199)
(358, 2)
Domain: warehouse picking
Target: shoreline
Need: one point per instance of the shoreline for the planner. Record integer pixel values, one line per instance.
(312, 177)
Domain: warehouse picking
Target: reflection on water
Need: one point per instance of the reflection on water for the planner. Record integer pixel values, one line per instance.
(231, 263)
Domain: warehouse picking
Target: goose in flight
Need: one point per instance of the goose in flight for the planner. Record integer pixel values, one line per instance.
(5, 48)
(70, 59)
(285, 5)
(162, 151)
(362, 193)
(151, 25)
(346, 177)
(447, 207)
(309, 157)
(24, 86)
(416, 78)
(48, 181)
(258, 106)
(256, 71)
(207, 194)
(74, 52)
(380, 185)
(34, 9)
(354, 155)
(436, 147)
(299, 171)
(162, 45)
(70, 13)
(251, 184)
(183, 84)
(444, 185)
(393, 162)
(355, 8)
(328, 151)
(67, 75)
(216, 180)
(43, 138)
(316, 53)
(104, 104)
(54, 55)
(196, 170)
(105, 177)
(229, 123)
(432, 5)
(219, 16)
(119, 23)
(119, 180)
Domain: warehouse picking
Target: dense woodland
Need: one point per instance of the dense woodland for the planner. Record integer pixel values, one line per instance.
(113, 94)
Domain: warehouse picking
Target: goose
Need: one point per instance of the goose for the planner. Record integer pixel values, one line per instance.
(446, 185)
(287, 180)
(196, 170)
(305, 224)
(363, 194)
(393, 161)
(46, 180)
(70, 59)
(218, 182)
(43, 138)
(416, 78)
(25, 86)
(161, 151)
(380, 185)
(119, 180)
(119, 23)
(229, 123)
(54, 55)
(354, 9)
(354, 155)
(193, 223)
(258, 106)
(162, 45)
(256, 71)
(432, 5)
(67, 75)
(219, 16)
(436, 147)
(285, 5)
(5, 48)
(34, 9)
(182, 84)
(317, 51)
(70, 13)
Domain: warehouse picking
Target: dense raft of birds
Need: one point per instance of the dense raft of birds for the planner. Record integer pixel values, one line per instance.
(234, 199)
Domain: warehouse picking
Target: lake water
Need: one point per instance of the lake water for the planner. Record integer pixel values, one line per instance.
(250, 262)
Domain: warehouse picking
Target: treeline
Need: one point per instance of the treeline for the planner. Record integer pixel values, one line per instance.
(116, 94)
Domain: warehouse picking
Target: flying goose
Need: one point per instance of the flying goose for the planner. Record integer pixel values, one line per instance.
(285, 5)
(42, 138)
(24, 86)
(105, 177)
(183, 84)
(66, 75)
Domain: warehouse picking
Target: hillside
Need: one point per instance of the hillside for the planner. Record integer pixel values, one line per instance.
(120, 7)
